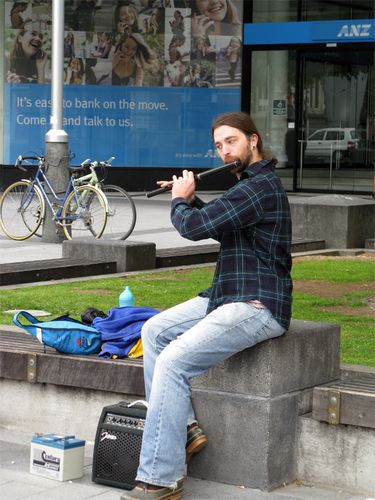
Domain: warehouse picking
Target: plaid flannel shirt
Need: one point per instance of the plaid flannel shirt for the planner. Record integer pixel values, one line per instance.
(252, 222)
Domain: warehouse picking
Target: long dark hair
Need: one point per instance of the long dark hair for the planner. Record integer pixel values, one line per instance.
(144, 56)
(241, 121)
(81, 70)
(22, 65)
(135, 27)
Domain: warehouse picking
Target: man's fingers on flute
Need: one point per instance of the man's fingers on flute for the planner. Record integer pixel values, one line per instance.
(164, 183)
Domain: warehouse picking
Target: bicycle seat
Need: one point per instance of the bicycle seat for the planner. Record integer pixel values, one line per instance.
(76, 170)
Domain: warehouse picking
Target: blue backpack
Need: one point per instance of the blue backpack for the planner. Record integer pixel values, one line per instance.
(65, 334)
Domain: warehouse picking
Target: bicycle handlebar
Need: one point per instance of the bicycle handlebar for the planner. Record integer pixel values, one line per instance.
(41, 159)
(105, 163)
(21, 158)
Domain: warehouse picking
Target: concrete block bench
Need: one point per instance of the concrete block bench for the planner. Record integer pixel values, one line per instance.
(248, 405)
(129, 255)
(343, 221)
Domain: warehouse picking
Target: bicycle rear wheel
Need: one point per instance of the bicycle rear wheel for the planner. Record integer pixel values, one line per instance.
(84, 213)
(21, 210)
(122, 214)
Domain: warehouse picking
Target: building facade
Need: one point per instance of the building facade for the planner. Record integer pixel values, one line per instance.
(309, 84)
(143, 80)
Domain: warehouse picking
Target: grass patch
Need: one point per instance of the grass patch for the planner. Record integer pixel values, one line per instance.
(335, 270)
(339, 284)
(357, 330)
(336, 279)
(158, 290)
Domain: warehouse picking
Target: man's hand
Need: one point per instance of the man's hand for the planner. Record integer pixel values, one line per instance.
(184, 187)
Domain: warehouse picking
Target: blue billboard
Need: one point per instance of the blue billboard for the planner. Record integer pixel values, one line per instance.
(143, 80)
(139, 126)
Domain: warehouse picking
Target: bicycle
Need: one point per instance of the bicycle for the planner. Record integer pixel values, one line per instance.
(81, 210)
(122, 214)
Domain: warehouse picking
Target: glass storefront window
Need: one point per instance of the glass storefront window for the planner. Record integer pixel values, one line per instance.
(337, 111)
(320, 126)
(273, 103)
(269, 11)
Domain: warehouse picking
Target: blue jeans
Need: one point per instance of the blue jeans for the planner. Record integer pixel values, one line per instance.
(179, 344)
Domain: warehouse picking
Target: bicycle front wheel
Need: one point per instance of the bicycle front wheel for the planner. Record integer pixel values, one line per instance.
(21, 210)
(122, 213)
(84, 213)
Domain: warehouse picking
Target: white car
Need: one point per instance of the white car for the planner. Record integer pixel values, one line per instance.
(338, 142)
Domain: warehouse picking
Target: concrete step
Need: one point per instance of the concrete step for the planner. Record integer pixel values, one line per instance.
(186, 256)
(201, 254)
(337, 440)
(52, 269)
(336, 455)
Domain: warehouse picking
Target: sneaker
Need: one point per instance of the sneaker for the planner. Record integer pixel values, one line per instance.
(145, 491)
(196, 441)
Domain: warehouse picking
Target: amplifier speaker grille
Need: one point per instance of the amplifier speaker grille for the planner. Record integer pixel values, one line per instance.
(117, 447)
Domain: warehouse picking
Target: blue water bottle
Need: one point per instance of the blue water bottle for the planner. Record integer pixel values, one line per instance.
(126, 298)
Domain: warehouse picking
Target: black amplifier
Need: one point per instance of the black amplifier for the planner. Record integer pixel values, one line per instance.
(118, 444)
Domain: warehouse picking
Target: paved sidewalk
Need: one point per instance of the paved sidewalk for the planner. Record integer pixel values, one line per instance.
(153, 225)
(16, 482)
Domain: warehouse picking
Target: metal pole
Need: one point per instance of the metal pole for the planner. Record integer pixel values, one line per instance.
(56, 139)
(301, 163)
(330, 167)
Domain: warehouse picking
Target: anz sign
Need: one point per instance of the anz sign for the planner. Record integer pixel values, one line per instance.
(355, 30)
(358, 30)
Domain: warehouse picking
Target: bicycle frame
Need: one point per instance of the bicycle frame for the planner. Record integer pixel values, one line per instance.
(78, 207)
(121, 211)
(92, 177)
(41, 178)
